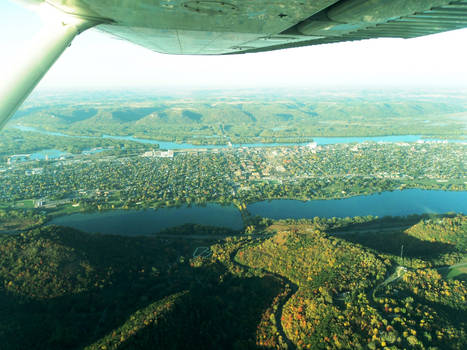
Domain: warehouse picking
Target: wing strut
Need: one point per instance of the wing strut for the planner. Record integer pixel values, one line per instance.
(47, 48)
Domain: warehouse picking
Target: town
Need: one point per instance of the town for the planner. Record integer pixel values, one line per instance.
(124, 179)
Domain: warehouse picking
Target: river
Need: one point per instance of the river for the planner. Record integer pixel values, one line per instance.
(318, 140)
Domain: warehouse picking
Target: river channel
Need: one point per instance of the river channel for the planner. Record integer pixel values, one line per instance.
(319, 140)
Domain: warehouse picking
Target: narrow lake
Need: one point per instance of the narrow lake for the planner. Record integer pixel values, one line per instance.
(148, 221)
(143, 222)
(396, 203)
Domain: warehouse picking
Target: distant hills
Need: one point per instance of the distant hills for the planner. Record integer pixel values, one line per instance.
(263, 118)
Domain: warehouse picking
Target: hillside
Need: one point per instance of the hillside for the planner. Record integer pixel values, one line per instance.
(247, 118)
(293, 286)
(61, 288)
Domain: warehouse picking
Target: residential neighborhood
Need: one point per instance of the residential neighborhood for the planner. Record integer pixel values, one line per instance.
(172, 177)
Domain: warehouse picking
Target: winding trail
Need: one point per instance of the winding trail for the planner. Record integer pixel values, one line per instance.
(291, 289)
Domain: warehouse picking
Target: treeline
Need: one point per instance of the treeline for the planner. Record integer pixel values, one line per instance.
(17, 219)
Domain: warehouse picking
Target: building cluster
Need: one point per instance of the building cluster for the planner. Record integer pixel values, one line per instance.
(223, 174)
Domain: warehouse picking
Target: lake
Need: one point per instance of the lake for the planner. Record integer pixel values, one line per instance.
(148, 221)
(395, 203)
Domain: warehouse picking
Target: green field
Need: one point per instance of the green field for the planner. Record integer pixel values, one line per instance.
(25, 204)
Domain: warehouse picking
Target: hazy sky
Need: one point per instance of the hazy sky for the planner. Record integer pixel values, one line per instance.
(97, 60)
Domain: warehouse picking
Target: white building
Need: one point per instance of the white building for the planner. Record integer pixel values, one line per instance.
(162, 154)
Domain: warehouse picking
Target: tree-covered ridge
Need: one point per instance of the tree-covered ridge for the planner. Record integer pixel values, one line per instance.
(333, 261)
(327, 271)
(51, 262)
(14, 220)
(433, 240)
(154, 315)
(450, 230)
(297, 284)
(352, 296)
(61, 288)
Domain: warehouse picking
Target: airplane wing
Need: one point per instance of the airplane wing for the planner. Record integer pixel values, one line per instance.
(240, 26)
(411, 23)
(213, 27)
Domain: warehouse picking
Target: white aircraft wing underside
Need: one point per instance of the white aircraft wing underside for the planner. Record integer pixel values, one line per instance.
(198, 27)
(239, 26)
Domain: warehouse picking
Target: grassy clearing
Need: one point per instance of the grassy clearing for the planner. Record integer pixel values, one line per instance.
(25, 204)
